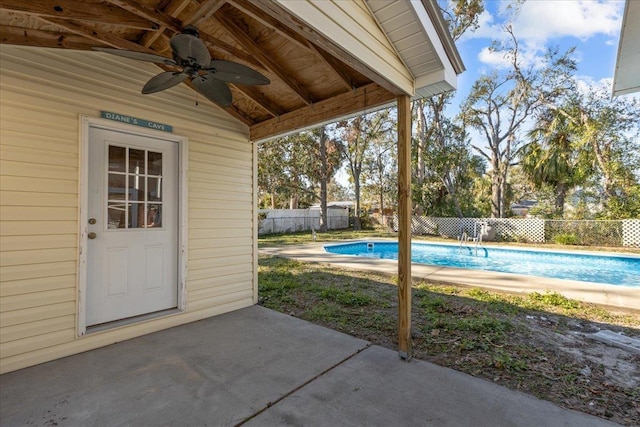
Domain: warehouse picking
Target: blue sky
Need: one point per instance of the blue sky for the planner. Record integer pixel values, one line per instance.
(592, 26)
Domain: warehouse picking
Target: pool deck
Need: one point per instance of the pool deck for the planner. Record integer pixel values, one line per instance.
(616, 296)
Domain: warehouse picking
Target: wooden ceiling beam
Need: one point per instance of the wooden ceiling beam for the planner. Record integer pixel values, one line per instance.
(231, 110)
(248, 8)
(267, 61)
(235, 112)
(294, 23)
(254, 12)
(102, 37)
(336, 66)
(206, 9)
(40, 38)
(79, 11)
(170, 23)
(167, 21)
(353, 102)
(174, 9)
(154, 15)
(260, 99)
(220, 45)
(118, 42)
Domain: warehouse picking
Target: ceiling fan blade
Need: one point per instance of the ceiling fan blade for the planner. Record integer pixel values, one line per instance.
(233, 72)
(164, 81)
(187, 46)
(214, 90)
(132, 54)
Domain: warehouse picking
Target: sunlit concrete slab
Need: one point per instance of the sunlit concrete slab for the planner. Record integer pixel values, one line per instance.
(375, 388)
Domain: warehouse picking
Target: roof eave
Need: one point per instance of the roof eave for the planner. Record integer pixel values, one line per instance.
(626, 77)
(440, 25)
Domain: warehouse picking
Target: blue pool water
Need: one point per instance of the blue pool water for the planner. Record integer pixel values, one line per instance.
(610, 269)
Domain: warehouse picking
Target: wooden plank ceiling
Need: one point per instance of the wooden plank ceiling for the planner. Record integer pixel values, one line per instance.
(312, 79)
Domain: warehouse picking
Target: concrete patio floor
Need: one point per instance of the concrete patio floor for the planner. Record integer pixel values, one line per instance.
(257, 367)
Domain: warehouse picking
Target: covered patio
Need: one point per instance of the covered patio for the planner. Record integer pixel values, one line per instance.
(261, 368)
(323, 61)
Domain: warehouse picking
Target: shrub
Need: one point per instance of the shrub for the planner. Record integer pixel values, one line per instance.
(565, 239)
(553, 299)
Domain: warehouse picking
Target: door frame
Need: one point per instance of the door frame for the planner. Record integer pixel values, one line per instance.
(87, 122)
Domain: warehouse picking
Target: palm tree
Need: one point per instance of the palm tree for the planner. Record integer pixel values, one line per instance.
(553, 157)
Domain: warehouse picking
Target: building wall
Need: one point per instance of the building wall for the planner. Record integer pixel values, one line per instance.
(43, 94)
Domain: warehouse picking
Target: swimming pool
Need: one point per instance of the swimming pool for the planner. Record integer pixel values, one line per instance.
(610, 269)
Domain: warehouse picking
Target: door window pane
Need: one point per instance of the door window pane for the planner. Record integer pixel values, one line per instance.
(155, 163)
(134, 196)
(154, 216)
(136, 215)
(116, 215)
(154, 189)
(136, 188)
(117, 159)
(136, 161)
(116, 187)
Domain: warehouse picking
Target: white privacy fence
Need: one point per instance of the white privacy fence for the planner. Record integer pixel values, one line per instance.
(631, 232)
(293, 220)
(624, 232)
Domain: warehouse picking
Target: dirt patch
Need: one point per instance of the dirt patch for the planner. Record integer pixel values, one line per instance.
(572, 370)
(534, 343)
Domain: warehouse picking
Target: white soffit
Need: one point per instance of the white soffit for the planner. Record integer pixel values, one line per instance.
(626, 78)
(412, 31)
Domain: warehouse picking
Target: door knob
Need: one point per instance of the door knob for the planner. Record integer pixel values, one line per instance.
(92, 235)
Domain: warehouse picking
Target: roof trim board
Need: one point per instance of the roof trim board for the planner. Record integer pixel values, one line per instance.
(626, 78)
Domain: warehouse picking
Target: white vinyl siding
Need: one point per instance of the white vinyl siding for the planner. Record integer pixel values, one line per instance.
(220, 219)
(44, 92)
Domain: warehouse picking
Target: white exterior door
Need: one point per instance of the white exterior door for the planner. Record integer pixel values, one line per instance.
(132, 248)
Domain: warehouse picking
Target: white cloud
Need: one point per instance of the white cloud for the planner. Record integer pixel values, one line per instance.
(541, 20)
(492, 58)
(527, 57)
(586, 83)
(488, 28)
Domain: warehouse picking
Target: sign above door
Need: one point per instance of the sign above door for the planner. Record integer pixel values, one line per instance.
(135, 121)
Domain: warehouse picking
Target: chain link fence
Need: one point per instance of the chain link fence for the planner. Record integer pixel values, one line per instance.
(532, 230)
(584, 232)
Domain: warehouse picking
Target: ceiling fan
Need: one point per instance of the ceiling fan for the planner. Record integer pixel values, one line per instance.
(209, 77)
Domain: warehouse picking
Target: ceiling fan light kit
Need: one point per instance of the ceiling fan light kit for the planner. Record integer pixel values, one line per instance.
(209, 77)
